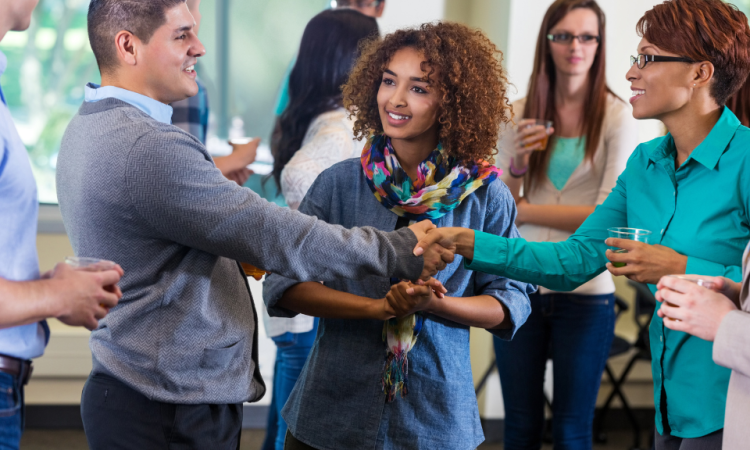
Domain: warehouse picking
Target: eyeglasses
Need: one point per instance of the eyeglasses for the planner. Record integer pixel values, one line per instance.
(567, 38)
(642, 59)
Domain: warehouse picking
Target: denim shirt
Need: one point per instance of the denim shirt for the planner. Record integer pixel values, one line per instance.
(338, 401)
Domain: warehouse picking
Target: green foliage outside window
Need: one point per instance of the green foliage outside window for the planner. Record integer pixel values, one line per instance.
(51, 62)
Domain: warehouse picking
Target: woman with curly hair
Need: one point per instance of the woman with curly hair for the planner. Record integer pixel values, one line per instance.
(690, 189)
(390, 367)
(594, 134)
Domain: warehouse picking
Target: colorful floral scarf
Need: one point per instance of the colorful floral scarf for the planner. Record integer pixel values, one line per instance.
(441, 186)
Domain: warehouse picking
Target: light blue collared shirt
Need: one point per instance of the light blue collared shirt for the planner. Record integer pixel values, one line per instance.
(19, 208)
(154, 108)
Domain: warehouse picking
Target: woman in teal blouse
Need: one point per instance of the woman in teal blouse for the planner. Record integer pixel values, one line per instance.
(691, 188)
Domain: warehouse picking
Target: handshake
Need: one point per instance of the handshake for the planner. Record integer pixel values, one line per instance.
(438, 246)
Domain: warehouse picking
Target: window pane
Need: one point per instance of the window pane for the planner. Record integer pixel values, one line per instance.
(48, 66)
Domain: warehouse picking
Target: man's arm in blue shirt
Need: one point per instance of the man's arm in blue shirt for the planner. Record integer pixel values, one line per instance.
(77, 298)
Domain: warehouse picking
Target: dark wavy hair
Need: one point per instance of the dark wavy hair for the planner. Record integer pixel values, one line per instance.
(327, 54)
(469, 79)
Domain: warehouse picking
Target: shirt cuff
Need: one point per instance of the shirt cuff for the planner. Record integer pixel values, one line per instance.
(519, 309)
(489, 253)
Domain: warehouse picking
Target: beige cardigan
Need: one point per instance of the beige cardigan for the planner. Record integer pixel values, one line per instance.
(732, 350)
(589, 184)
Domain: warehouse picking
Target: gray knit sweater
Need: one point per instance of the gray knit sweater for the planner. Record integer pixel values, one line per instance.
(148, 196)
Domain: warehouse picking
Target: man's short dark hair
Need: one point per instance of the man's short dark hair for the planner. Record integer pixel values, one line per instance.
(106, 18)
(357, 3)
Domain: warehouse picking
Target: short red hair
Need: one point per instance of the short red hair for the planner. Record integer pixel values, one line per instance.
(703, 30)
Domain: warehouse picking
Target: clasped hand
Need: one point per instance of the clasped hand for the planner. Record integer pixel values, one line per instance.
(695, 309)
(436, 255)
(644, 263)
(406, 297)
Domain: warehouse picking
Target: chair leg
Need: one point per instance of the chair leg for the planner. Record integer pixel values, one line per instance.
(485, 377)
(599, 435)
(547, 434)
(617, 390)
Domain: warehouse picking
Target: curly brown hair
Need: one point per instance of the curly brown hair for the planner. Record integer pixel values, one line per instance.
(470, 81)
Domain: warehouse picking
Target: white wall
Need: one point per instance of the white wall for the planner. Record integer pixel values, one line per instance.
(408, 13)
(622, 41)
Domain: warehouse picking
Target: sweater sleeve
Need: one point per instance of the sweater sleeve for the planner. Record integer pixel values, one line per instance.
(732, 344)
(178, 191)
(316, 203)
(620, 139)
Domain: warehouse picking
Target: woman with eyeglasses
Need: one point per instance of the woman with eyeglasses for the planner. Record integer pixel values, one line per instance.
(690, 189)
(594, 134)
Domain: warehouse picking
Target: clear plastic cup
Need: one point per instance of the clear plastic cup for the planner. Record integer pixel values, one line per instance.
(89, 264)
(699, 281)
(547, 124)
(631, 234)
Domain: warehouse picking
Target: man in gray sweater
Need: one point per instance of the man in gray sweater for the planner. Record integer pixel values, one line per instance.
(174, 361)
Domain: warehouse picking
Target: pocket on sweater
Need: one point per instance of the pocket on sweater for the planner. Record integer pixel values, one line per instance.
(220, 358)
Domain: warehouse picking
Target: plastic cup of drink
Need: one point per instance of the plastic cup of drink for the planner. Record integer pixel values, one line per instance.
(631, 234)
(252, 271)
(547, 124)
(89, 264)
(699, 281)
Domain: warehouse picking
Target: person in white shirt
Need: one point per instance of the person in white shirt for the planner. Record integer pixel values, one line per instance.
(556, 189)
(315, 133)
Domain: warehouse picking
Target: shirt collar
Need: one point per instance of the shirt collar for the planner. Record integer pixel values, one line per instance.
(710, 150)
(154, 108)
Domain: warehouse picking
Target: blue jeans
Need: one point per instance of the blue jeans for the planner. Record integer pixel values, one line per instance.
(292, 350)
(576, 332)
(11, 412)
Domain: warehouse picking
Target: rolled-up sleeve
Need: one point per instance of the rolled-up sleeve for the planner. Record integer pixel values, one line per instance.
(500, 221)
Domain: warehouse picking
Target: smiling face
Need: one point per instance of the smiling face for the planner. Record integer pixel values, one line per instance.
(408, 105)
(660, 88)
(167, 61)
(575, 58)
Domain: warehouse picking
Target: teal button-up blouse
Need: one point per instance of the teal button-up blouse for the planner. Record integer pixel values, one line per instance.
(700, 210)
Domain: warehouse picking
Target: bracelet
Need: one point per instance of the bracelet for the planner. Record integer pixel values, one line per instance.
(516, 173)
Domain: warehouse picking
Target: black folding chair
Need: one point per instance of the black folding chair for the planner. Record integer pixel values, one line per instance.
(617, 349)
(645, 304)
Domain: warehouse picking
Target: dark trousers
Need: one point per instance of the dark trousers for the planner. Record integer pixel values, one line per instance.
(576, 331)
(708, 442)
(291, 443)
(118, 417)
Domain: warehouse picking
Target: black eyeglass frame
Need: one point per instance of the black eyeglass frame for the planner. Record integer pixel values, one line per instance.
(657, 58)
(551, 38)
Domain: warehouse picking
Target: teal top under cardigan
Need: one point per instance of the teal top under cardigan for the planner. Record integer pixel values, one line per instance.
(699, 210)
